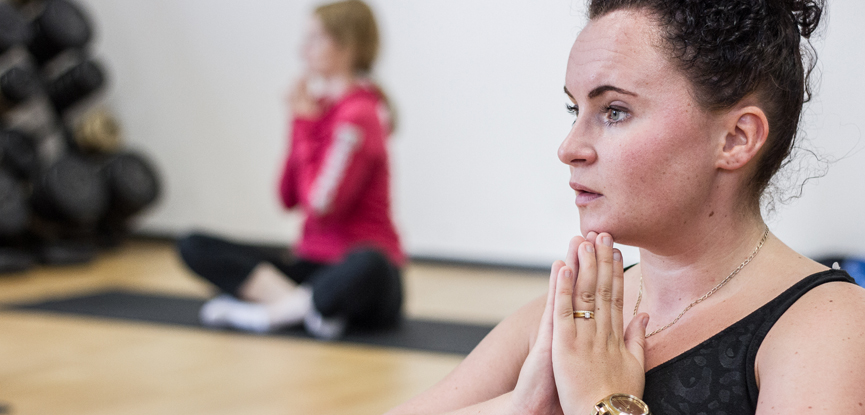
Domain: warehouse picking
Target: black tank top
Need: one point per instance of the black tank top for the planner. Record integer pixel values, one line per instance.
(717, 376)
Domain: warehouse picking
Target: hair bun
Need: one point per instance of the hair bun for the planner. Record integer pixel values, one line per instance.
(806, 14)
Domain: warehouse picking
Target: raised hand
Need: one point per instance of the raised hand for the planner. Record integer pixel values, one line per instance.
(595, 357)
(301, 102)
(535, 392)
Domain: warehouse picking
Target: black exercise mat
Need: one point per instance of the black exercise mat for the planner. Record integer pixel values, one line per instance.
(426, 335)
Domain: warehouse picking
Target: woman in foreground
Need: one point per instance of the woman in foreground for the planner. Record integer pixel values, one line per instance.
(684, 110)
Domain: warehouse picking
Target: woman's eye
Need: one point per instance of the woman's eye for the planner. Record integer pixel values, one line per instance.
(615, 115)
(572, 109)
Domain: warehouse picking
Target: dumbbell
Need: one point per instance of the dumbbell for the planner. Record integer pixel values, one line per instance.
(72, 191)
(67, 252)
(75, 84)
(14, 29)
(78, 191)
(60, 26)
(132, 183)
(17, 162)
(69, 199)
(15, 260)
(17, 84)
(18, 154)
(14, 210)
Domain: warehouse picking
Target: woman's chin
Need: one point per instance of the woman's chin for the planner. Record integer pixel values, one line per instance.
(587, 226)
(599, 226)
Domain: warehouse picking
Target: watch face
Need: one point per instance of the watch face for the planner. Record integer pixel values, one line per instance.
(628, 405)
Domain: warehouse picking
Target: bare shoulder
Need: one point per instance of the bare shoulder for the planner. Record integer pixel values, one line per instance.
(490, 370)
(812, 357)
(833, 307)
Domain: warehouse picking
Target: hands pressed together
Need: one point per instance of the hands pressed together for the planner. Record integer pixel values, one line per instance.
(301, 102)
(576, 361)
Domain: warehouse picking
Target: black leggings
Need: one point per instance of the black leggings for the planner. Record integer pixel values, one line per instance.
(365, 288)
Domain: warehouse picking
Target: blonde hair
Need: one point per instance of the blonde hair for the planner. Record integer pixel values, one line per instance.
(352, 24)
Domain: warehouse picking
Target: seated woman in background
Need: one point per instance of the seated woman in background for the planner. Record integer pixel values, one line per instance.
(346, 268)
(684, 110)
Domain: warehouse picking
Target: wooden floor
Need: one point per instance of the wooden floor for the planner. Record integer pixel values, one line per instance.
(53, 364)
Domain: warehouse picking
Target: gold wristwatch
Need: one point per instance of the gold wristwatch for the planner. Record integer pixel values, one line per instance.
(621, 404)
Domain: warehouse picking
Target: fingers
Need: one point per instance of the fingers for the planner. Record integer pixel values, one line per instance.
(545, 330)
(299, 87)
(571, 258)
(551, 292)
(585, 298)
(618, 303)
(604, 285)
(564, 329)
(635, 337)
(598, 287)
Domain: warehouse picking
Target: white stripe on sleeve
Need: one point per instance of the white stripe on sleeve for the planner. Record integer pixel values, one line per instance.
(347, 138)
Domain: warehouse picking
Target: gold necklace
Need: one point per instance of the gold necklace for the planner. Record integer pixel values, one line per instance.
(705, 296)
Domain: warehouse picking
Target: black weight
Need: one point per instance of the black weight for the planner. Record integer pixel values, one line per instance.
(14, 29)
(14, 260)
(18, 154)
(61, 25)
(74, 84)
(132, 183)
(14, 211)
(71, 190)
(67, 252)
(17, 84)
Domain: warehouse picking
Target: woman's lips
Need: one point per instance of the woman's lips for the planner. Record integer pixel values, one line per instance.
(585, 195)
(584, 198)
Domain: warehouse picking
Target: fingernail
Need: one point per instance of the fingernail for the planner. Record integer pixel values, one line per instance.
(617, 256)
(607, 240)
(645, 321)
(567, 273)
(589, 248)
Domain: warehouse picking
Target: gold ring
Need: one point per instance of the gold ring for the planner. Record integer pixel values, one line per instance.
(584, 314)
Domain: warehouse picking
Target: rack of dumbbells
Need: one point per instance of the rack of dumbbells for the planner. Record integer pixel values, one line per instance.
(67, 187)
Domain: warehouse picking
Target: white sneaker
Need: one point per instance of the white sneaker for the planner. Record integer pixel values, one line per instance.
(213, 312)
(324, 328)
(227, 311)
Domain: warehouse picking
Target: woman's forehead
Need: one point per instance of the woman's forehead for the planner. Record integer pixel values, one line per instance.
(314, 24)
(619, 47)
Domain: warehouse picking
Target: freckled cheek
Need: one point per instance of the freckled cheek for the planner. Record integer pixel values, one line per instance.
(642, 180)
(642, 164)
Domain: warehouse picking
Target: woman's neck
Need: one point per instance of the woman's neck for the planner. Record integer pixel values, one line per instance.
(695, 261)
(336, 85)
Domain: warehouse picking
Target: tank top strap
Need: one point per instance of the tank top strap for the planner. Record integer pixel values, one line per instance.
(776, 308)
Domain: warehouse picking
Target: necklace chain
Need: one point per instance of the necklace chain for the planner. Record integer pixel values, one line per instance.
(705, 296)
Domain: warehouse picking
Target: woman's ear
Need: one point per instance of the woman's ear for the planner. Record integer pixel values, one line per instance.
(746, 131)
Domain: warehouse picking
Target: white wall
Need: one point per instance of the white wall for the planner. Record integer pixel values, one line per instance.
(199, 84)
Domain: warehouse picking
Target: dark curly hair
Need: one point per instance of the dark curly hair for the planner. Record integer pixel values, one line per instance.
(730, 49)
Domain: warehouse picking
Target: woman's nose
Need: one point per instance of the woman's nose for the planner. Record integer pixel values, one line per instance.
(576, 149)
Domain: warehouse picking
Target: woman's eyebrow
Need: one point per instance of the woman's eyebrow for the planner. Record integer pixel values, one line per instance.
(602, 89)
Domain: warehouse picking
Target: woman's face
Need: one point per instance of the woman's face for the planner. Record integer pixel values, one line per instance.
(641, 151)
(323, 55)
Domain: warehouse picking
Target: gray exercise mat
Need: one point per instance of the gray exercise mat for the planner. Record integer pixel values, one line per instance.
(426, 335)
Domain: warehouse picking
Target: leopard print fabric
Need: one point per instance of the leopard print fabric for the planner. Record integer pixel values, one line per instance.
(717, 376)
